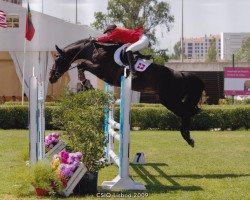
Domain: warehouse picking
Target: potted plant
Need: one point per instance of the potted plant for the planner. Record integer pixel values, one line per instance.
(82, 117)
(44, 179)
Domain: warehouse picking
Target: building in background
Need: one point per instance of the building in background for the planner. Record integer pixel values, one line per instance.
(226, 45)
(230, 43)
(197, 48)
(19, 2)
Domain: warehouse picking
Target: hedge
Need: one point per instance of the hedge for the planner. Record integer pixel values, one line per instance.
(16, 117)
(144, 116)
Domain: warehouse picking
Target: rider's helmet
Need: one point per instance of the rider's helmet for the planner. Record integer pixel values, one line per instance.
(109, 28)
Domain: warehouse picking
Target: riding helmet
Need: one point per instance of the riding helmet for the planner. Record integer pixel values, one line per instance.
(109, 28)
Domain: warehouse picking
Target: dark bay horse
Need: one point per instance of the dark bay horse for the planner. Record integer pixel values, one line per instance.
(179, 92)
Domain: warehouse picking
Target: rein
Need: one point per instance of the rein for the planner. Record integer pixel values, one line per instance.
(70, 68)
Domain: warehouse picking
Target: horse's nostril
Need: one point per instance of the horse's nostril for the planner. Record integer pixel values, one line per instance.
(57, 74)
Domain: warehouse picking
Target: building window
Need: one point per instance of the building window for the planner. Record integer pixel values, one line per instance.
(14, 1)
(12, 21)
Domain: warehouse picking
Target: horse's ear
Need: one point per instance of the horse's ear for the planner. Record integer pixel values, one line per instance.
(60, 51)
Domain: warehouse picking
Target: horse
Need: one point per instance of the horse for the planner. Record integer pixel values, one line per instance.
(180, 92)
(247, 85)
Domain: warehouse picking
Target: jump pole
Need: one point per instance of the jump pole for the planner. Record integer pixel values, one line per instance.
(122, 181)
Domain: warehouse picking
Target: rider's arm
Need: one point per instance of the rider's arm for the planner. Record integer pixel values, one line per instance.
(114, 36)
(107, 38)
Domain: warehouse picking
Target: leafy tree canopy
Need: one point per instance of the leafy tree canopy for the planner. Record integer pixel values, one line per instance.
(243, 54)
(211, 52)
(136, 13)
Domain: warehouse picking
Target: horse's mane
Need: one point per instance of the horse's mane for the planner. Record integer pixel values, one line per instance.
(83, 41)
(99, 44)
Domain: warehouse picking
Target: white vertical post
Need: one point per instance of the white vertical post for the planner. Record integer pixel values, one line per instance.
(106, 126)
(36, 119)
(126, 93)
(33, 111)
(41, 121)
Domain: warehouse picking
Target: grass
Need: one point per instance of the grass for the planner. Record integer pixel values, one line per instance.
(218, 168)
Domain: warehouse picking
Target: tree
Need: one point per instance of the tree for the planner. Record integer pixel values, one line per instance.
(177, 51)
(159, 57)
(243, 54)
(211, 52)
(132, 14)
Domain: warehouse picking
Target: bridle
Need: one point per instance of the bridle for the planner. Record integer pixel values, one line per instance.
(57, 74)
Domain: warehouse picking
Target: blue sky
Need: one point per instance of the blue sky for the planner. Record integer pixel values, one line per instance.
(200, 16)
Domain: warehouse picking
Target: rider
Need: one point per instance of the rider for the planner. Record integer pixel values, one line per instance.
(136, 37)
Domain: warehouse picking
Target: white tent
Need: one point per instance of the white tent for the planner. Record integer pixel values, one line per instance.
(48, 32)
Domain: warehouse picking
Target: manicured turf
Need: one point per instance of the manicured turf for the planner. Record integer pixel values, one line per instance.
(218, 168)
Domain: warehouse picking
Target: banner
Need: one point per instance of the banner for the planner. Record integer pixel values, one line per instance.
(237, 81)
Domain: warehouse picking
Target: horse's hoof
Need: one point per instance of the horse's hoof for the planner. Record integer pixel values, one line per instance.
(191, 142)
(186, 136)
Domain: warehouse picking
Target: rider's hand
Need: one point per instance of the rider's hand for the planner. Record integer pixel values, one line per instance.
(92, 40)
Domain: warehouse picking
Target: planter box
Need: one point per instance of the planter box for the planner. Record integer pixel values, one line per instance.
(56, 149)
(74, 180)
(87, 185)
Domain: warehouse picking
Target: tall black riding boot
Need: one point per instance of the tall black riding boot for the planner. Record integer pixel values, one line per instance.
(131, 61)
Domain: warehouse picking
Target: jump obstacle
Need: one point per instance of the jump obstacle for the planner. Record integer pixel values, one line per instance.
(37, 133)
(122, 181)
(37, 122)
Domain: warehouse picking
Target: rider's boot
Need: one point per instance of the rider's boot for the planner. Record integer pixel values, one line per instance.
(131, 61)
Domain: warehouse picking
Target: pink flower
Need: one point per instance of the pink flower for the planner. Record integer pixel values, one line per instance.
(64, 156)
(56, 135)
(78, 155)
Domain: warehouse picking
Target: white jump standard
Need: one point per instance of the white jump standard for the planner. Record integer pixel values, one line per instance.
(36, 120)
(122, 181)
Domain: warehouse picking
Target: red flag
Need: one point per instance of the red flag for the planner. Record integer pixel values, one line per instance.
(30, 30)
(3, 19)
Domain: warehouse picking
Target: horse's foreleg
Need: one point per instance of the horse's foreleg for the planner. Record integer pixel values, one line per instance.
(85, 65)
(93, 68)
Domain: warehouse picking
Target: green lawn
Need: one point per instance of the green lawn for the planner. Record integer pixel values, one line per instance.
(218, 168)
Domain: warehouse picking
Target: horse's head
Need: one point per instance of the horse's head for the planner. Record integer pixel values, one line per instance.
(61, 65)
(78, 50)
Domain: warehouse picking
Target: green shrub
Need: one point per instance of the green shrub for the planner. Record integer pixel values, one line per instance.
(13, 117)
(81, 115)
(44, 177)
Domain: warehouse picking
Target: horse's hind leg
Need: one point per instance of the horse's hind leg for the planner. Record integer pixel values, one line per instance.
(178, 108)
(194, 92)
(184, 129)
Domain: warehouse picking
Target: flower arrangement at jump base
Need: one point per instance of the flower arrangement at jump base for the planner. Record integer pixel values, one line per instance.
(65, 164)
(51, 140)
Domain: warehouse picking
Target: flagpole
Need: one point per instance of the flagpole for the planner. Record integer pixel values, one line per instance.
(76, 12)
(24, 59)
(24, 63)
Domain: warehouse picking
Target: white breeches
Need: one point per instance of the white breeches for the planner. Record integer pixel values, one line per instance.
(143, 42)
